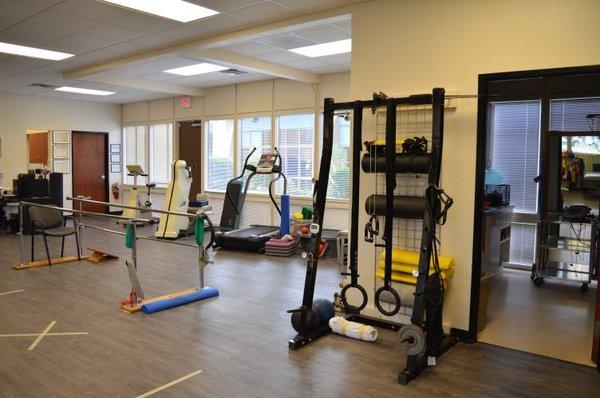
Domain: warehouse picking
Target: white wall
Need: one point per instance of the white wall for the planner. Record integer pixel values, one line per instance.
(25, 112)
(407, 47)
(263, 97)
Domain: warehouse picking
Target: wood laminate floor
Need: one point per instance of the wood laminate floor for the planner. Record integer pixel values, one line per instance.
(238, 340)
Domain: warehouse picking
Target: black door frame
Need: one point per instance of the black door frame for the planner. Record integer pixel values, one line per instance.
(563, 88)
(106, 168)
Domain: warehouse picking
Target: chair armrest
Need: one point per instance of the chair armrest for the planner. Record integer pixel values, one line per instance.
(37, 226)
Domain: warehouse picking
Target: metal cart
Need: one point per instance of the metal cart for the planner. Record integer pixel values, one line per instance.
(562, 255)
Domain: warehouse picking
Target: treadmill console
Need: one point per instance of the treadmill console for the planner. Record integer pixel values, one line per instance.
(266, 163)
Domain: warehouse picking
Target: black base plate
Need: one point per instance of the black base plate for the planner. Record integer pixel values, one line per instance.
(302, 340)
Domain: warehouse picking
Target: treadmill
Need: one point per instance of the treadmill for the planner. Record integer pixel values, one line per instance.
(253, 238)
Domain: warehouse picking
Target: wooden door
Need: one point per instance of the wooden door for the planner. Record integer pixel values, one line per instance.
(190, 150)
(90, 168)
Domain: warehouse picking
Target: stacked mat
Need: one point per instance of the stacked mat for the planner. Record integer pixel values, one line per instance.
(280, 247)
(405, 265)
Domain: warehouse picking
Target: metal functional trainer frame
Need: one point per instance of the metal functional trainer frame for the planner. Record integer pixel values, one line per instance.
(424, 337)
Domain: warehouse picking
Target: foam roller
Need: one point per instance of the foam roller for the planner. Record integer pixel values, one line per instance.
(165, 304)
(407, 207)
(412, 258)
(355, 330)
(404, 163)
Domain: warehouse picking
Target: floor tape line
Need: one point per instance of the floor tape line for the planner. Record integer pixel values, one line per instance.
(11, 292)
(41, 336)
(171, 384)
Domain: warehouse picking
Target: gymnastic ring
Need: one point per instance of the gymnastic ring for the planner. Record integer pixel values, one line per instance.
(396, 308)
(351, 308)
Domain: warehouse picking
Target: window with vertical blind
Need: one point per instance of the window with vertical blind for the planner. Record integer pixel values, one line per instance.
(295, 141)
(134, 151)
(219, 154)
(255, 132)
(151, 147)
(339, 175)
(515, 139)
(161, 152)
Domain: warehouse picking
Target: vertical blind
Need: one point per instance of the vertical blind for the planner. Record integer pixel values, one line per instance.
(219, 154)
(515, 133)
(255, 132)
(295, 141)
(161, 152)
(515, 137)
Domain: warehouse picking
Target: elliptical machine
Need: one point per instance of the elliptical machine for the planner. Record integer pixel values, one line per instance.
(253, 238)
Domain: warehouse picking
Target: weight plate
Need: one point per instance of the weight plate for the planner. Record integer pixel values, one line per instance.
(412, 339)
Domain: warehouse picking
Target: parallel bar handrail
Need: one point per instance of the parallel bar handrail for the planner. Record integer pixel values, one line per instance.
(108, 204)
(112, 231)
(86, 213)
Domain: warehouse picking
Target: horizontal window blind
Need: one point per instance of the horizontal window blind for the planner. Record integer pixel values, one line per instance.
(135, 151)
(522, 244)
(295, 141)
(339, 175)
(219, 154)
(515, 137)
(255, 132)
(570, 115)
(161, 152)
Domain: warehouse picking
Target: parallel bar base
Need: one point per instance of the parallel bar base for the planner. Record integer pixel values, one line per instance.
(44, 263)
(131, 309)
(301, 341)
(99, 256)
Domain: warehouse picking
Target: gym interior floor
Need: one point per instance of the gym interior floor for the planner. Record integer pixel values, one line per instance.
(238, 340)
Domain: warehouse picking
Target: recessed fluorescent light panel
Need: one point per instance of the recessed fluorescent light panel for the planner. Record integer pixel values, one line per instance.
(177, 10)
(321, 50)
(32, 52)
(197, 69)
(86, 91)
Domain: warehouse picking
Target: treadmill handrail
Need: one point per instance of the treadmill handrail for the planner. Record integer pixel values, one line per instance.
(238, 210)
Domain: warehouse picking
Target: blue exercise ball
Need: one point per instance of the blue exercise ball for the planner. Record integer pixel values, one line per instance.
(324, 309)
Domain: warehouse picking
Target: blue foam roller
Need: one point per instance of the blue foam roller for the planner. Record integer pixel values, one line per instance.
(284, 228)
(165, 304)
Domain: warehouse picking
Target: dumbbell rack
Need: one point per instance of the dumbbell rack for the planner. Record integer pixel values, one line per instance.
(436, 341)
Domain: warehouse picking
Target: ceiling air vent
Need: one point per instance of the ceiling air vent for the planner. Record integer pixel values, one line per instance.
(234, 72)
(42, 85)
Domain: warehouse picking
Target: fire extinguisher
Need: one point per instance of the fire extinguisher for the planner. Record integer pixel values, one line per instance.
(116, 190)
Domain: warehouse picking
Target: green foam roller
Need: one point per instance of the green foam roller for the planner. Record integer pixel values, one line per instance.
(129, 236)
(199, 231)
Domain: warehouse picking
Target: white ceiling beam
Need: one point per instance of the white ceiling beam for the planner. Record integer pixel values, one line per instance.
(243, 62)
(148, 85)
(330, 16)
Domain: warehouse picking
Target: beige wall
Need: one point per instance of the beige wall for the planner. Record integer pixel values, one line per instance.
(269, 97)
(25, 112)
(407, 47)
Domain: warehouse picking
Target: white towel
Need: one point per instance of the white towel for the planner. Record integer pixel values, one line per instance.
(355, 330)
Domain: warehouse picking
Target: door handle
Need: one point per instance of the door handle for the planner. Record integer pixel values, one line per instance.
(103, 177)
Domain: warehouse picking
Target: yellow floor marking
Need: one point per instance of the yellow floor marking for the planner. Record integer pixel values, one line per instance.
(149, 393)
(41, 336)
(11, 292)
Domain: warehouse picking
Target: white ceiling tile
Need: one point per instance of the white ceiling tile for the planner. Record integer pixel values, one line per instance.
(116, 31)
(324, 34)
(286, 41)
(17, 65)
(262, 12)
(12, 12)
(41, 3)
(226, 5)
(82, 42)
(145, 23)
(309, 5)
(96, 10)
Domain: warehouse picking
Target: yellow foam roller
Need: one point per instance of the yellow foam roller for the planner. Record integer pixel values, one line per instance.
(404, 277)
(409, 268)
(406, 257)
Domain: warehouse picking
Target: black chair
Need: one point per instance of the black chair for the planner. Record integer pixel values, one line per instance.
(50, 222)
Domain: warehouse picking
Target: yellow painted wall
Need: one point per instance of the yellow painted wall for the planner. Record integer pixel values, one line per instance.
(403, 47)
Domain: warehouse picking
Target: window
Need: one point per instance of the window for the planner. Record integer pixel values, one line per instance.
(134, 151)
(151, 147)
(255, 132)
(570, 115)
(161, 152)
(515, 133)
(515, 136)
(295, 141)
(219, 154)
(339, 175)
